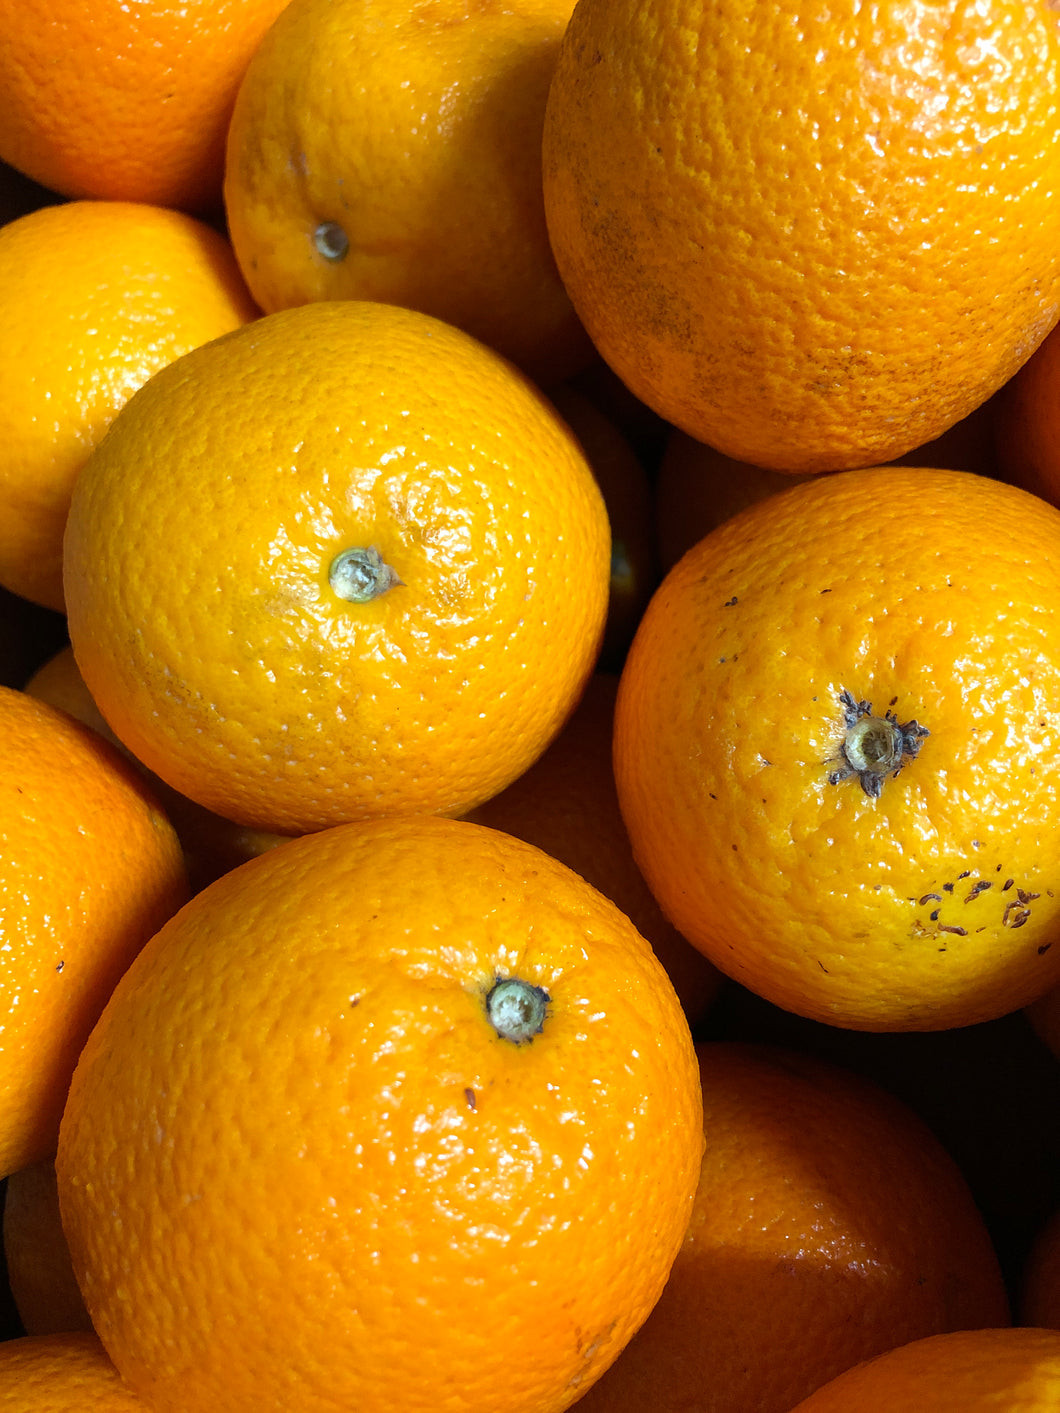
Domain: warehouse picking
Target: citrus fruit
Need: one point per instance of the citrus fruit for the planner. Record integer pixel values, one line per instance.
(211, 844)
(125, 102)
(382, 1091)
(39, 1274)
(698, 487)
(388, 150)
(346, 561)
(566, 804)
(95, 296)
(772, 219)
(969, 1371)
(62, 1373)
(829, 1225)
(1039, 1295)
(1028, 423)
(89, 869)
(836, 748)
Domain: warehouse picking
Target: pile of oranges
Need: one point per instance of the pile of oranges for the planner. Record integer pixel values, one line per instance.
(529, 707)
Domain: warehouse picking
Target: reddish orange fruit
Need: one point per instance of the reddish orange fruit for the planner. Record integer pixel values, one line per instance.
(829, 1225)
(125, 102)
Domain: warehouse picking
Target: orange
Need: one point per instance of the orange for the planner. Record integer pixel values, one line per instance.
(1028, 423)
(973, 1371)
(345, 562)
(125, 102)
(40, 1276)
(814, 237)
(399, 1114)
(837, 748)
(211, 844)
(698, 487)
(829, 1225)
(62, 1373)
(95, 296)
(89, 869)
(390, 150)
(566, 804)
(1039, 1294)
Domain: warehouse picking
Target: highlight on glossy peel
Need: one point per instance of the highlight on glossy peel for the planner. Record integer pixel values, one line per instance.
(346, 562)
(408, 1079)
(837, 742)
(812, 237)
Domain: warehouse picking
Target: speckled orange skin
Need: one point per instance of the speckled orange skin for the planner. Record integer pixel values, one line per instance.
(973, 1371)
(125, 102)
(62, 1373)
(814, 237)
(197, 561)
(300, 1169)
(829, 1225)
(416, 129)
(95, 296)
(89, 869)
(931, 594)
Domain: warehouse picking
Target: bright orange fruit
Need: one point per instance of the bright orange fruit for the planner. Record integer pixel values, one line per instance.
(813, 237)
(95, 296)
(838, 748)
(829, 1225)
(344, 562)
(89, 869)
(407, 1087)
(971, 1371)
(129, 102)
(391, 150)
(62, 1373)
